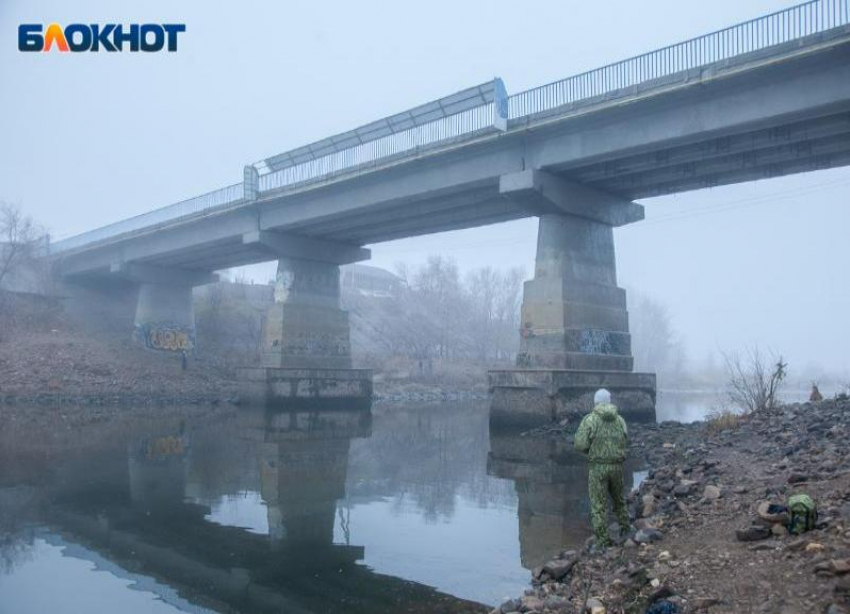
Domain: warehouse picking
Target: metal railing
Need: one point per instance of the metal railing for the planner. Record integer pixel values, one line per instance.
(775, 29)
(412, 140)
(232, 194)
(784, 26)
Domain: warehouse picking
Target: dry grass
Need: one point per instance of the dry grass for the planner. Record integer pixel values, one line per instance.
(723, 419)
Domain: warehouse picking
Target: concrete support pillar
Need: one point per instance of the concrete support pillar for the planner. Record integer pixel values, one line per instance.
(305, 346)
(306, 327)
(165, 318)
(575, 326)
(573, 314)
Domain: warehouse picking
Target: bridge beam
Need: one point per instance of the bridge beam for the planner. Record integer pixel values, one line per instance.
(149, 274)
(542, 193)
(294, 246)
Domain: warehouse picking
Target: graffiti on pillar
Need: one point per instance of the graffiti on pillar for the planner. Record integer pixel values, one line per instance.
(166, 337)
(283, 286)
(314, 343)
(164, 448)
(603, 342)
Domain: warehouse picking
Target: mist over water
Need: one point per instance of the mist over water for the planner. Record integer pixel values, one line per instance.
(145, 518)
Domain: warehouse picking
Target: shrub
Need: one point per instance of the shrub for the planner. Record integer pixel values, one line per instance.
(753, 385)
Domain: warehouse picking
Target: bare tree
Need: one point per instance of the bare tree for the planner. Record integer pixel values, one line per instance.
(482, 285)
(18, 239)
(653, 339)
(508, 303)
(493, 315)
(753, 384)
(440, 291)
(656, 346)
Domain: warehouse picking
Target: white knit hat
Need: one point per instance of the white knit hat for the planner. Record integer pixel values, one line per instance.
(601, 397)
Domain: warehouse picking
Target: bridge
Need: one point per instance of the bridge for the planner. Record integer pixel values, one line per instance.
(764, 98)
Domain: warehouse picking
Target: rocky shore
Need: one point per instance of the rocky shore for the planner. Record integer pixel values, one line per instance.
(699, 542)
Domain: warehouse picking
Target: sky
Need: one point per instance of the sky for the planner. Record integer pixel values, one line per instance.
(94, 138)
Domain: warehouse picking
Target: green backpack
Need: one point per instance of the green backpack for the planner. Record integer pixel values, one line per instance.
(803, 514)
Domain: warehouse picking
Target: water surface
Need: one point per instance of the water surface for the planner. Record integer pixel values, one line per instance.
(400, 509)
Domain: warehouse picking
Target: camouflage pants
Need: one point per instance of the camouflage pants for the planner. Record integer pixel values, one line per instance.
(606, 479)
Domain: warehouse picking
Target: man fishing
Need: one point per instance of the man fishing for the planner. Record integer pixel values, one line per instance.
(603, 436)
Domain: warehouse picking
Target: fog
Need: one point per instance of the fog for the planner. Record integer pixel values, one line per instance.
(94, 138)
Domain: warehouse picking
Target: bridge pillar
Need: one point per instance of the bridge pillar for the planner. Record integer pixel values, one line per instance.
(306, 326)
(165, 317)
(305, 345)
(573, 314)
(574, 333)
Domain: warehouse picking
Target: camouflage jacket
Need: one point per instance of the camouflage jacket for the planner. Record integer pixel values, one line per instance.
(603, 435)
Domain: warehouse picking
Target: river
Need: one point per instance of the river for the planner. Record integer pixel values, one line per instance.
(400, 509)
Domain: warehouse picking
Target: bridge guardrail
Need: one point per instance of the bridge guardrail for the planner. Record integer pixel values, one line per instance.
(793, 23)
(783, 26)
(229, 195)
(465, 123)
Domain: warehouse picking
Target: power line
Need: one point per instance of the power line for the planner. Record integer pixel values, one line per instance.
(747, 202)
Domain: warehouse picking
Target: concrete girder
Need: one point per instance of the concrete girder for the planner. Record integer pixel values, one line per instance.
(234, 259)
(488, 212)
(814, 163)
(392, 212)
(148, 274)
(542, 193)
(427, 219)
(723, 166)
(224, 255)
(287, 245)
(721, 147)
(399, 186)
(191, 234)
(497, 218)
(720, 105)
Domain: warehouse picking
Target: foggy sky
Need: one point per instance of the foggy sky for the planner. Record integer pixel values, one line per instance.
(93, 138)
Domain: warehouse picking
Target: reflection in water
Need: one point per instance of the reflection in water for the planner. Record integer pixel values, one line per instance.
(551, 484)
(260, 512)
(413, 509)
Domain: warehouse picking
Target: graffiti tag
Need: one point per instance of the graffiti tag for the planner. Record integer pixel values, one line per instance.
(167, 338)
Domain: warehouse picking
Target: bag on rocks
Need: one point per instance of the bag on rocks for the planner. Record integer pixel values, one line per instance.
(803, 513)
(663, 607)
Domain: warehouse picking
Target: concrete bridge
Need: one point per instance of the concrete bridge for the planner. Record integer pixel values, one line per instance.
(760, 99)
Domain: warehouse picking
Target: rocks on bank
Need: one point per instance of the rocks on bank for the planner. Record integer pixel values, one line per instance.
(704, 538)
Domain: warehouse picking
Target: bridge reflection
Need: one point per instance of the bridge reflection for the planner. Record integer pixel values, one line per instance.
(150, 510)
(551, 484)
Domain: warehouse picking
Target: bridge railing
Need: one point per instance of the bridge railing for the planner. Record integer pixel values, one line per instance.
(784, 26)
(412, 140)
(231, 194)
(781, 27)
